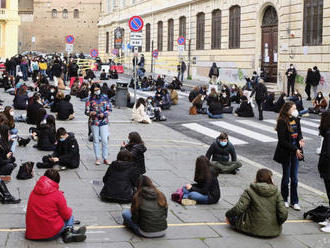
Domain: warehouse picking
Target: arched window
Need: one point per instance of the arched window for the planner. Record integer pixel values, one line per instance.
(148, 37)
(65, 13)
(182, 26)
(76, 13)
(200, 31)
(234, 26)
(313, 22)
(216, 29)
(170, 34)
(107, 42)
(54, 13)
(160, 36)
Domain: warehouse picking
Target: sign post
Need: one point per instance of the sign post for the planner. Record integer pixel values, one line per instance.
(69, 39)
(181, 42)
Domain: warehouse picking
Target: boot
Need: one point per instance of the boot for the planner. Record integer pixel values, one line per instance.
(71, 235)
(23, 142)
(6, 197)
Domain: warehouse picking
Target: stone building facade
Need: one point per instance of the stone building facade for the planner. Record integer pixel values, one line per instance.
(45, 23)
(239, 35)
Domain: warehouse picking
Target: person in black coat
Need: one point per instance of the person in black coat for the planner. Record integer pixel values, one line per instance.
(33, 110)
(137, 148)
(21, 99)
(214, 73)
(260, 96)
(309, 82)
(268, 104)
(7, 159)
(289, 151)
(103, 75)
(215, 108)
(291, 74)
(120, 179)
(65, 109)
(46, 134)
(279, 103)
(206, 190)
(245, 108)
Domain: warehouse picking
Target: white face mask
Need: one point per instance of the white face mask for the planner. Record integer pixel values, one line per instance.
(52, 91)
(291, 67)
(98, 92)
(320, 96)
(295, 113)
(44, 121)
(12, 113)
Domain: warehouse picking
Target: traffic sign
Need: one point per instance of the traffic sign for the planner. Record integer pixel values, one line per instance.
(181, 40)
(136, 35)
(69, 39)
(69, 48)
(155, 53)
(94, 53)
(136, 43)
(135, 23)
(181, 48)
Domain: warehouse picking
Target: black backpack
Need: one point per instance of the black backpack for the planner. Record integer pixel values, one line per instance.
(318, 214)
(25, 171)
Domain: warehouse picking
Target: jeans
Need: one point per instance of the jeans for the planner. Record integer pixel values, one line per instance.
(103, 132)
(127, 216)
(68, 223)
(260, 109)
(302, 112)
(198, 197)
(180, 74)
(226, 167)
(314, 91)
(290, 173)
(214, 116)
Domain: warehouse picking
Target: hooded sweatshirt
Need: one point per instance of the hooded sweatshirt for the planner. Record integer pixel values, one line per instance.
(46, 211)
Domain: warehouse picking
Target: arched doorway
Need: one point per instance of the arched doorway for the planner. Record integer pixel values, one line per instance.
(269, 44)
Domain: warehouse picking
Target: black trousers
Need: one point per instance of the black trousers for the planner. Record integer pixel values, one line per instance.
(260, 109)
(327, 188)
(290, 85)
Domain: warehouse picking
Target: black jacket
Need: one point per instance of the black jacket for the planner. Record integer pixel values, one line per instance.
(268, 104)
(20, 102)
(324, 161)
(210, 188)
(57, 70)
(46, 138)
(261, 92)
(64, 110)
(32, 113)
(285, 149)
(245, 110)
(293, 74)
(138, 151)
(119, 182)
(316, 78)
(68, 152)
(216, 108)
(214, 71)
(4, 150)
(279, 104)
(221, 153)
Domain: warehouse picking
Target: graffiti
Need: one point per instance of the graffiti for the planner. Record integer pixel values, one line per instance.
(240, 74)
(300, 79)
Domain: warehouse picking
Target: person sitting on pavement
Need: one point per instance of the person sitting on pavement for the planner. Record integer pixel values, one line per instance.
(235, 94)
(120, 179)
(46, 135)
(66, 153)
(105, 89)
(160, 82)
(47, 216)
(245, 109)
(7, 159)
(145, 84)
(220, 150)
(137, 148)
(215, 108)
(154, 113)
(21, 99)
(319, 104)
(226, 103)
(148, 214)
(158, 96)
(176, 84)
(174, 95)
(5, 196)
(103, 75)
(139, 112)
(297, 99)
(83, 93)
(75, 87)
(33, 109)
(165, 103)
(206, 190)
(65, 109)
(268, 104)
(260, 210)
(58, 99)
(113, 74)
(279, 103)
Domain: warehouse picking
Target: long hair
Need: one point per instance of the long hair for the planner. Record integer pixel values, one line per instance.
(284, 113)
(139, 102)
(10, 119)
(135, 138)
(144, 181)
(325, 123)
(202, 170)
(41, 116)
(4, 133)
(51, 122)
(264, 176)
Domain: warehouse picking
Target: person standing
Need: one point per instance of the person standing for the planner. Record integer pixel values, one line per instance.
(324, 165)
(181, 69)
(289, 151)
(214, 73)
(291, 74)
(261, 94)
(98, 108)
(309, 82)
(316, 80)
(141, 63)
(57, 71)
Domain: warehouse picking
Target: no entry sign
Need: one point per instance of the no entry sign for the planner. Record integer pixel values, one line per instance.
(94, 53)
(135, 23)
(69, 39)
(155, 53)
(181, 40)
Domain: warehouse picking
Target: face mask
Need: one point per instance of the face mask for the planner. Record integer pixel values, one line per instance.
(223, 143)
(320, 96)
(234, 87)
(62, 139)
(224, 95)
(12, 113)
(296, 93)
(149, 101)
(52, 91)
(295, 113)
(44, 121)
(98, 92)
(291, 67)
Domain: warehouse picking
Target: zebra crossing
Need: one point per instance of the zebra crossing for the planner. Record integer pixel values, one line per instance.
(143, 94)
(249, 130)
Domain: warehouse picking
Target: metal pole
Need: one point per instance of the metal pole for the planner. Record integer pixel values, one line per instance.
(152, 57)
(135, 79)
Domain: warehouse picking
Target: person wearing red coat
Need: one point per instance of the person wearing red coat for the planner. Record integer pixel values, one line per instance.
(48, 216)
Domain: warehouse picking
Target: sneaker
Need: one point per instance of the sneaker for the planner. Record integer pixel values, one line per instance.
(62, 168)
(324, 223)
(105, 161)
(188, 202)
(70, 235)
(286, 204)
(296, 207)
(98, 162)
(10, 200)
(305, 115)
(326, 229)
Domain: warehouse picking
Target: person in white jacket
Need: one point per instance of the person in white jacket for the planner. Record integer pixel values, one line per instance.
(138, 112)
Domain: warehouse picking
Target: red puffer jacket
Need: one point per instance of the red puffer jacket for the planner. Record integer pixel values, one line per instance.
(46, 211)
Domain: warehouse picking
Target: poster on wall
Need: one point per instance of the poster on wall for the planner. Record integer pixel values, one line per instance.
(118, 37)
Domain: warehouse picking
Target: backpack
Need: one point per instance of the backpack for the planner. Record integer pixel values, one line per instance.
(25, 171)
(177, 196)
(318, 214)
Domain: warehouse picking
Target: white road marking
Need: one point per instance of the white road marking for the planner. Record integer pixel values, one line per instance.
(258, 126)
(303, 129)
(309, 123)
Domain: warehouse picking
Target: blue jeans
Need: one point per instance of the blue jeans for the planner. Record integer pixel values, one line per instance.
(84, 99)
(127, 216)
(193, 195)
(214, 116)
(103, 133)
(68, 223)
(302, 112)
(290, 173)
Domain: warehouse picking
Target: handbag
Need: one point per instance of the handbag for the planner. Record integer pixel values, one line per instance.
(193, 110)
(25, 171)
(177, 196)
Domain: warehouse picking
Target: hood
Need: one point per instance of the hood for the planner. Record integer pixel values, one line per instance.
(45, 186)
(122, 165)
(70, 137)
(149, 193)
(140, 147)
(264, 189)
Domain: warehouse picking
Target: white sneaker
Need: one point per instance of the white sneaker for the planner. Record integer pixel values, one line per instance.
(326, 229)
(318, 150)
(296, 207)
(286, 204)
(324, 223)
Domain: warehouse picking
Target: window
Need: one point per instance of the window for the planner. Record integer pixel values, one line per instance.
(182, 26)
(107, 42)
(160, 36)
(3, 4)
(234, 26)
(200, 31)
(54, 13)
(76, 13)
(148, 36)
(313, 22)
(170, 35)
(216, 29)
(65, 13)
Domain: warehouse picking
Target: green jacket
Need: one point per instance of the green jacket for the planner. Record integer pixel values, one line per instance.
(260, 211)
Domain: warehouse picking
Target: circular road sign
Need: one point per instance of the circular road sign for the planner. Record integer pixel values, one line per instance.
(155, 53)
(69, 39)
(94, 53)
(135, 23)
(181, 40)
